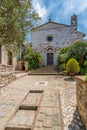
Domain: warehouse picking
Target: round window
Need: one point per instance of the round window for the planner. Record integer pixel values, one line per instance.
(49, 38)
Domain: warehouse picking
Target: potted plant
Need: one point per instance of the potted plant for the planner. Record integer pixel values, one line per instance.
(72, 66)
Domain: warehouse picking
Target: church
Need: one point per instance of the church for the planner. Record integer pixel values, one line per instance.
(49, 38)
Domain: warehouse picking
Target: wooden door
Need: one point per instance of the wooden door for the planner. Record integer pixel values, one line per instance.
(50, 58)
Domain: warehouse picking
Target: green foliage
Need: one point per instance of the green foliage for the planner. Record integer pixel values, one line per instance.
(85, 64)
(62, 67)
(62, 58)
(85, 77)
(64, 73)
(82, 71)
(17, 18)
(64, 50)
(35, 59)
(77, 51)
(72, 66)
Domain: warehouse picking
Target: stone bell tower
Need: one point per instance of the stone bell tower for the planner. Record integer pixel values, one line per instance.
(74, 20)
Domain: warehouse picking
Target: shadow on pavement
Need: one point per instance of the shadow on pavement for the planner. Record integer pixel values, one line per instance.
(76, 123)
(69, 79)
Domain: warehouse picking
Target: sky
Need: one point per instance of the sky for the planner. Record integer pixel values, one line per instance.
(61, 11)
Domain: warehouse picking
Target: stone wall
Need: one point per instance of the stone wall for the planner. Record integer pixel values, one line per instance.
(81, 93)
(6, 75)
(62, 36)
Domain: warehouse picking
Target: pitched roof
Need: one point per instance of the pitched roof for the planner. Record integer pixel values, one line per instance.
(53, 23)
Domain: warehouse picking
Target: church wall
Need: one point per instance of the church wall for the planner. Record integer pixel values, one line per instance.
(62, 37)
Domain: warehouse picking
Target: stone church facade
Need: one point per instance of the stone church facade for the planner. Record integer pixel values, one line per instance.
(50, 37)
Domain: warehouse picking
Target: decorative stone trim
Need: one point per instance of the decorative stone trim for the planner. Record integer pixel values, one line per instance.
(81, 95)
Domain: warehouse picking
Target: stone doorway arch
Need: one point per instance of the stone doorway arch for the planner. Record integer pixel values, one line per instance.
(50, 51)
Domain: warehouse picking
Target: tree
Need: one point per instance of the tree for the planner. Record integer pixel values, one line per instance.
(79, 52)
(72, 66)
(17, 18)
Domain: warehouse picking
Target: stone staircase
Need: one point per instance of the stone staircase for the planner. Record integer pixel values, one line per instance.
(46, 70)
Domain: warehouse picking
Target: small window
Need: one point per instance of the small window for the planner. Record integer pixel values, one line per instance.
(50, 38)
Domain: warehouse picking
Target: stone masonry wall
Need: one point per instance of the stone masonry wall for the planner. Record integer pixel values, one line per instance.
(81, 93)
(62, 36)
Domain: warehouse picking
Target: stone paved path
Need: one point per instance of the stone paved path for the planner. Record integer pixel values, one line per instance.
(53, 111)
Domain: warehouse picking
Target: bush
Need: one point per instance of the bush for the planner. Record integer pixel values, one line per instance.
(85, 64)
(77, 51)
(64, 73)
(62, 67)
(85, 77)
(82, 71)
(34, 59)
(72, 66)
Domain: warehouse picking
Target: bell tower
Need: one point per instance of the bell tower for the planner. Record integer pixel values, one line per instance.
(74, 20)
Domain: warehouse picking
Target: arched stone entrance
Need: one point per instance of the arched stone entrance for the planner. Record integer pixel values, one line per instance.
(50, 56)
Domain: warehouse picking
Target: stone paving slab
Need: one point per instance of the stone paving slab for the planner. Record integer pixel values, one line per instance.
(49, 116)
(23, 119)
(31, 101)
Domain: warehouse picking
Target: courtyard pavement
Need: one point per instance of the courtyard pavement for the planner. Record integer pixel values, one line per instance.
(56, 107)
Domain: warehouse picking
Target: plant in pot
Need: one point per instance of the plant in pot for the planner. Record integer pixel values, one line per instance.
(72, 66)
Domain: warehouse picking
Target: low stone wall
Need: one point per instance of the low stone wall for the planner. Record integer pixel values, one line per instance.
(6, 75)
(9, 68)
(6, 78)
(81, 94)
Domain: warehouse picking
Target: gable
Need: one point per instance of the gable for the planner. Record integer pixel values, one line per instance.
(51, 25)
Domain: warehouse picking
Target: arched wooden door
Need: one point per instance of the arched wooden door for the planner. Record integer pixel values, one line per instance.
(50, 58)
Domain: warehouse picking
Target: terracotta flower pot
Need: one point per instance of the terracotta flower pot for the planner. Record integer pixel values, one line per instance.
(72, 74)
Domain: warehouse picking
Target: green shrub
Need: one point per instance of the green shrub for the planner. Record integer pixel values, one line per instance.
(62, 67)
(34, 59)
(64, 73)
(72, 66)
(85, 77)
(77, 51)
(82, 71)
(85, 64)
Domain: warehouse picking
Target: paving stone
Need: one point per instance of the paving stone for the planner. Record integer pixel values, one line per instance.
(22, 119)
(57, 128)
(42, 110)
(46, 104)
(48, 121)
(38, 128)
(40, 117)
(32, 99)
(49, 111)
(38, 124)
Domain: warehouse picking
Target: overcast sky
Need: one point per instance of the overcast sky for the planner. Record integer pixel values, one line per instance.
(61, 11)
